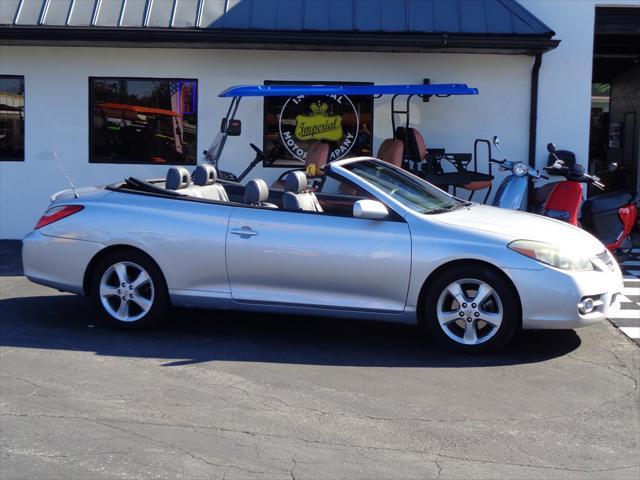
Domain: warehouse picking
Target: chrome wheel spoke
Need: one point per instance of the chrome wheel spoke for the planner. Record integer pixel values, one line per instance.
(142, 279)
(108, 291)
(123, 310)
(470, 334)
(445, 318)
(493, 319)
(121, 273)
(455, 289)
(484, 292)
(143, 303)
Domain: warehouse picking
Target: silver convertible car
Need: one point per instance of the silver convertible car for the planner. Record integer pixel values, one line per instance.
(371, 241)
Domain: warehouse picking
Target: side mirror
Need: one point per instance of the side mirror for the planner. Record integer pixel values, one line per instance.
(370, 209)
(496, 141)
(232, 128)
(551, 147)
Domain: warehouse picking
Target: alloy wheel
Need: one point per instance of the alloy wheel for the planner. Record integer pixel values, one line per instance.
(126, 291)
(469, 311)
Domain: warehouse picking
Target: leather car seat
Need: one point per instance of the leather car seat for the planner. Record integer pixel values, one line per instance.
(256, 193)
(414, 145)
(297, 195)
(179, 180)
(391, 151)
(205, 177)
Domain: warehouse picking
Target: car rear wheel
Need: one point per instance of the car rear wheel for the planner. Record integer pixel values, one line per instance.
(471, 310)
(129, 290)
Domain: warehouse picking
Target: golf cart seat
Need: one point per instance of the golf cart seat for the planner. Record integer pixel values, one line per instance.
(297, 195)
(317, 158)
(415, 148)
(390, 151)
(179, 180)
(256, 193)
(205, 177)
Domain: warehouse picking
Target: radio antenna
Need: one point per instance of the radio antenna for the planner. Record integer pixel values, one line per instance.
(64, 171)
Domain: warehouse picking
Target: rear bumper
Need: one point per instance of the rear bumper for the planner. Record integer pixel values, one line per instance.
(57, 262)
(550, 297)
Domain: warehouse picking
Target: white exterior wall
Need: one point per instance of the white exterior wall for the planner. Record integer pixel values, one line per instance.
(57, 110)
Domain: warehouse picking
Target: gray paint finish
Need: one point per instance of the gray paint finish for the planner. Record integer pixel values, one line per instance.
(389, 16)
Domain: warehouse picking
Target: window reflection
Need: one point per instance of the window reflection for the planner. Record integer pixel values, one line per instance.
(11, 118)
(143, 120)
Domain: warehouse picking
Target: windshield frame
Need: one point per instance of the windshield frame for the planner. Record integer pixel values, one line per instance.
(340, 168)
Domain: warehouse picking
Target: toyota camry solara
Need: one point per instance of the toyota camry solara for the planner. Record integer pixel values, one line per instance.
(367, 241)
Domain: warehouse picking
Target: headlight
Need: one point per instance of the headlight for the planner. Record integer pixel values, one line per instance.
(552, 255)
(520, 169)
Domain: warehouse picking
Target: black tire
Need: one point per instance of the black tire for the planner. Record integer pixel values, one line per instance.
(152, 293)
(490, 338)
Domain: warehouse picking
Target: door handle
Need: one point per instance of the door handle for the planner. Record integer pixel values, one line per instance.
(244, 232)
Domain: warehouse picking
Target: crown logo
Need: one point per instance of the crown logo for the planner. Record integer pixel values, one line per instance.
(319, 108)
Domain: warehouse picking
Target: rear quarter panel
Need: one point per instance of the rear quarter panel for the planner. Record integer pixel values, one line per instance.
(185, 238)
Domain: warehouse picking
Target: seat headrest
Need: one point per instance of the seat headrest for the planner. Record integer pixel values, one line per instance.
(256, 192)
(177, 178)
(390, 151)
(420, 144)
(416, 147)
(205, 175)
(296, 182)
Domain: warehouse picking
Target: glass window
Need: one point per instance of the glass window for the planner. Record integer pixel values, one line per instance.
(292, 125)
(143, 120)
(11, 118)
(404, 188)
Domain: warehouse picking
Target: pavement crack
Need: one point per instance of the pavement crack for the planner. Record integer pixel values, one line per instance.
(110, 424)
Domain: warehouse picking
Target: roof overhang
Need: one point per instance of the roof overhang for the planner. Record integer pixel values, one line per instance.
(276, 40)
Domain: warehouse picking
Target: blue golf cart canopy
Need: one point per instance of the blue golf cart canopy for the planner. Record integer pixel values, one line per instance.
(296, 90)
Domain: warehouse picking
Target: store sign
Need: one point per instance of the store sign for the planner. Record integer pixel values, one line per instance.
(305, 120)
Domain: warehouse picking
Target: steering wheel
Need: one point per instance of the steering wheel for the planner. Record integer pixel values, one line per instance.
(262, 155)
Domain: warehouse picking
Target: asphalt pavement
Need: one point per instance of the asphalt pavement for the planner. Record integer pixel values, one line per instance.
(220, 395)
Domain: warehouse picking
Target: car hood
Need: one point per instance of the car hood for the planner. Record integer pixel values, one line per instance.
(514, 225)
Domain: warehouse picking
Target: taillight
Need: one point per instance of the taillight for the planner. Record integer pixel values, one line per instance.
(57, 213)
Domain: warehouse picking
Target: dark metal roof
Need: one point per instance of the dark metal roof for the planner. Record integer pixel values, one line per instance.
(219, 19)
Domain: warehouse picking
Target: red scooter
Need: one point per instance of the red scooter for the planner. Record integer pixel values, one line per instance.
(608, 216)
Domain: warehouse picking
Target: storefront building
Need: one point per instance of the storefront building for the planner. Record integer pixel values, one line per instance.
(120, 88)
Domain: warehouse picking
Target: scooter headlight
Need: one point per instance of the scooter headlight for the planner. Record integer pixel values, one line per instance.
(520, 169)
(552, 255)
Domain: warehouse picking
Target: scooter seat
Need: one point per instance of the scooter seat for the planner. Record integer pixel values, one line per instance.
(541, 194)
(606, 202)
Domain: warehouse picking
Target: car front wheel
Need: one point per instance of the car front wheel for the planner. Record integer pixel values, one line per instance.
(471, 310)
(129, 290)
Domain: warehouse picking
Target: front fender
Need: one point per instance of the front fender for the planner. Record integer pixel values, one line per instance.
(435, 245)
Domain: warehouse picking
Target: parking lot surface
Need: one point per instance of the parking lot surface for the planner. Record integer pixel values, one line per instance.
(221, 395)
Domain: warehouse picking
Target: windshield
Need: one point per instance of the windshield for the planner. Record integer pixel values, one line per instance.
(412, 193)
(213, 152)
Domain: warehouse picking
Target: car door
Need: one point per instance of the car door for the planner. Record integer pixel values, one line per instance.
(318, 260)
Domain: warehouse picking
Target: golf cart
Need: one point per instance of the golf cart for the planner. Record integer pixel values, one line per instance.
(405, 148)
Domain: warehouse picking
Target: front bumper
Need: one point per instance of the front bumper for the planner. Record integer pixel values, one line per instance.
(550, 297)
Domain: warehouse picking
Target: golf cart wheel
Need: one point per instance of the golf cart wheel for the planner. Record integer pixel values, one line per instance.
(471, 310)
(129, 290)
